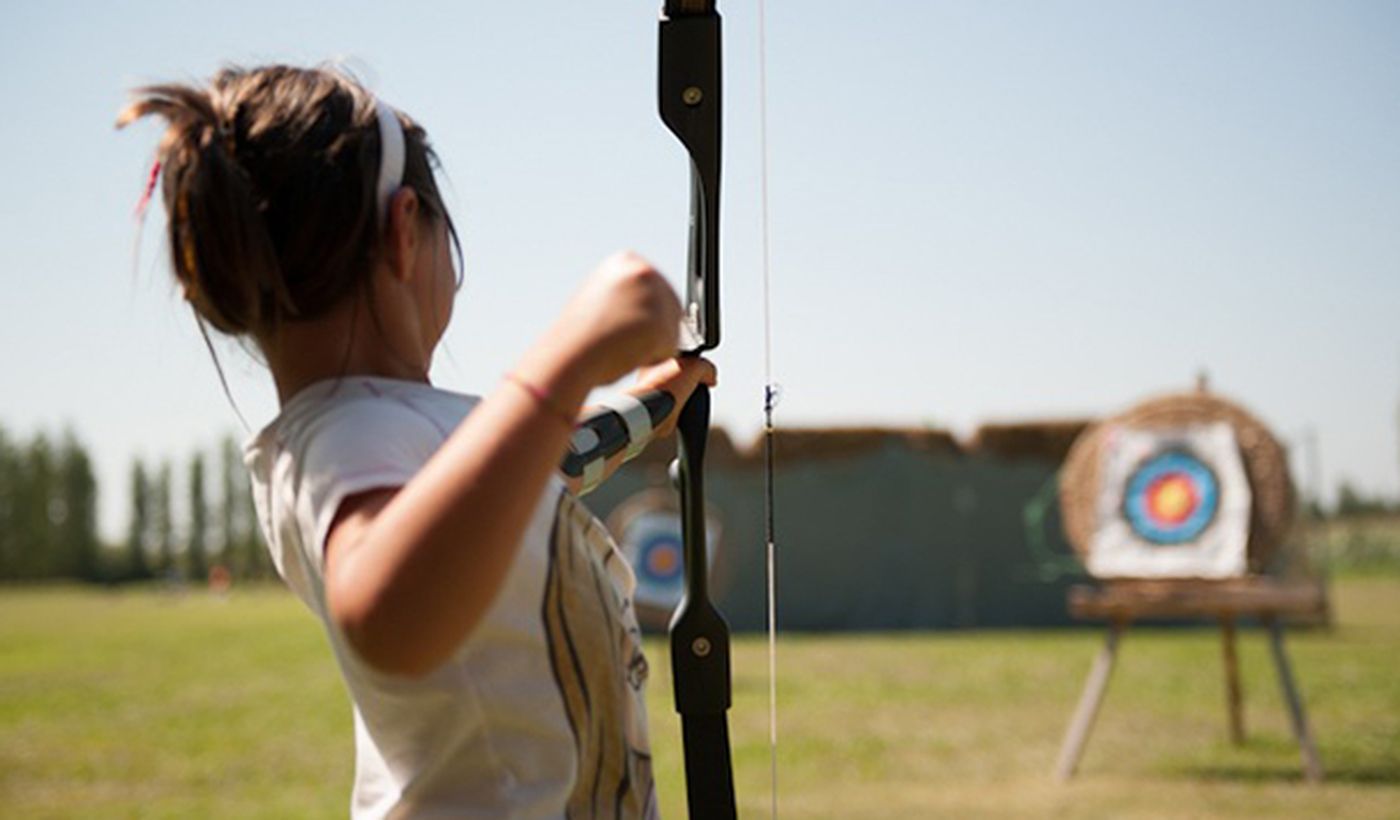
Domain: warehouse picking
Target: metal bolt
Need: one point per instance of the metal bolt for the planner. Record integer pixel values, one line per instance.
(701, 647)
(692, 95)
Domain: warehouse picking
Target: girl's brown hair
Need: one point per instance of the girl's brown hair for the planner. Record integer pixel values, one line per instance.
(269, 182)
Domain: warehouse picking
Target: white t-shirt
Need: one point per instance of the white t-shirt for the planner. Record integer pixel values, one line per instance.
(540, 712)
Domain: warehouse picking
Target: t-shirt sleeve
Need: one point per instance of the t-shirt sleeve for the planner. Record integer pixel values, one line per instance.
(358, 446)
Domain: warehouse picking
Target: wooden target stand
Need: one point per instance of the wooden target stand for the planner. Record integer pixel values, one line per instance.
(1267, 600)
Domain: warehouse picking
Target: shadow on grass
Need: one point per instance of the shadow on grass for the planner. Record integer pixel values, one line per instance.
(1264, 759)
(1363, 775)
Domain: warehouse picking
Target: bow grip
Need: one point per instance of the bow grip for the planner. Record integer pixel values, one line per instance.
(699, 633)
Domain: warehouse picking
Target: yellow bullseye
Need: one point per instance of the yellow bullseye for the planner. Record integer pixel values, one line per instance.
(663, 562)
(1171, 498)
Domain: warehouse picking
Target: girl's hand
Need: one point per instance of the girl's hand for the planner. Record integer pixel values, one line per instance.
(677, 376)
(625, 315)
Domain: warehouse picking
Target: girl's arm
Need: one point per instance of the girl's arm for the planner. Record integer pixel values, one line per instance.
(411, 571)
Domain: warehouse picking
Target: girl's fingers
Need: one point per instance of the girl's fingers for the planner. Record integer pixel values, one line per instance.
(709, 376)
(679, 375)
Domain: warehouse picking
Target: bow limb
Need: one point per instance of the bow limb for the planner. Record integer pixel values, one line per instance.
(690, 102)
(689, 97)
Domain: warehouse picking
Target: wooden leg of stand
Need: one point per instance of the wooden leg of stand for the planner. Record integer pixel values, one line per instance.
(1089, 702)
(1312, 764)
(1234, 697)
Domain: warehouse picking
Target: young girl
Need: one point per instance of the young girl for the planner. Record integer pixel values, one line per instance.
(480, 616)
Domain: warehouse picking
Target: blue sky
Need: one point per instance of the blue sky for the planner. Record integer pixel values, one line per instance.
(979, 211)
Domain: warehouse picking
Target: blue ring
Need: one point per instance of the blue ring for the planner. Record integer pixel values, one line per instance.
(1135, 498)
(654, 542)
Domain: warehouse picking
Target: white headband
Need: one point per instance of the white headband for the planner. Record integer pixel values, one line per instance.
(391, 157)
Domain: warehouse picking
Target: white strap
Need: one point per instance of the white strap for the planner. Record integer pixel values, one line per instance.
(391, 157)
(637, 419)
(592, 475)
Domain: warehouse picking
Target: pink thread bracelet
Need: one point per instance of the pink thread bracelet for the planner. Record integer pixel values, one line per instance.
(544, 399)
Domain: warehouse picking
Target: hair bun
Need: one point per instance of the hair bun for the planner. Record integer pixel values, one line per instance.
(270, 179)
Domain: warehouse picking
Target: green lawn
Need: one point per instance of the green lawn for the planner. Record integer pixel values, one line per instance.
(149, 703)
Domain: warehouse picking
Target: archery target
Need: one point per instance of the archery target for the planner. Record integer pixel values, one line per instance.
(1172, 498)
(1172, 503)
(649, 530)
(657, 556)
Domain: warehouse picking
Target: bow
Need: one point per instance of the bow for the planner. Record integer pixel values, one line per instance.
(689, 96)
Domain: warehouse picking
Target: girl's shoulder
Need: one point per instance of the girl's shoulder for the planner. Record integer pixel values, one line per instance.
(358, 418)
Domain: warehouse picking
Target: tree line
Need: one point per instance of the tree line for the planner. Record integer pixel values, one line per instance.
(1353, 503)
(48, 516)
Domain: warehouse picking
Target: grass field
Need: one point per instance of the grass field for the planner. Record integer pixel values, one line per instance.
(150, 703)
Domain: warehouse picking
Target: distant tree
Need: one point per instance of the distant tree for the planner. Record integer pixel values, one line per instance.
(10, 545)
(163, 522)
(242, 535)
(230, 471)
(196, 549)
(39, 511)
(258, 561)
(1352, 502)
(77, 532)
(140, 524)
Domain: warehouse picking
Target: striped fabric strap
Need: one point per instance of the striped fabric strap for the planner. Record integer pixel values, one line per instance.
(592, 475)
(637, 419)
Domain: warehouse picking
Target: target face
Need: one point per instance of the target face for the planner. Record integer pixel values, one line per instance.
(1172, 498)
(660, 560)
(649, 531)
(1172, 503)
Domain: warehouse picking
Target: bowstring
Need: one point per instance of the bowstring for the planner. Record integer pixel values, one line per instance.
(770, 397)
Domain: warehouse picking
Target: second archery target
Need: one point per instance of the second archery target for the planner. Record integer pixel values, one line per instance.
(1185, 486)
(1172, 503)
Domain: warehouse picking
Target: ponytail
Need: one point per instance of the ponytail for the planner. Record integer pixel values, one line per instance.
(271, 182)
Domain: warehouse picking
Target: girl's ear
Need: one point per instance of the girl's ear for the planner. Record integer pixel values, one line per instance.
(401, 234)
